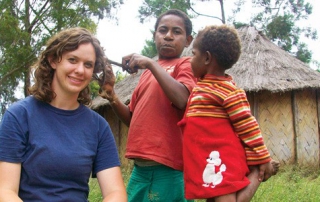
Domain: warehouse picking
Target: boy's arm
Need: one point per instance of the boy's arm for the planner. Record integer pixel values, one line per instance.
(107, 92)
(176, 92)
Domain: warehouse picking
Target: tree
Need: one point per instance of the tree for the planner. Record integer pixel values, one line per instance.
(277, 19)
(26, 25)
(149, 49)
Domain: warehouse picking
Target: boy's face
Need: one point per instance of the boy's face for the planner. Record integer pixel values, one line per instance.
(170, 37)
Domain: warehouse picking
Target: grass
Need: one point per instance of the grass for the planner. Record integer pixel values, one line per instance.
(292, 183)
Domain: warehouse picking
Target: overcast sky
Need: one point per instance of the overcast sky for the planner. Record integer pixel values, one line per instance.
(129, 35)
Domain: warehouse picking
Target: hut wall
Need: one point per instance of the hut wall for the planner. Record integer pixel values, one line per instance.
(306, 124)
(274, 114)
(289, 124)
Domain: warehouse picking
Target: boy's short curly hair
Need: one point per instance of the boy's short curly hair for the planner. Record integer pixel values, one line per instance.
(179, 13)
(223, 42)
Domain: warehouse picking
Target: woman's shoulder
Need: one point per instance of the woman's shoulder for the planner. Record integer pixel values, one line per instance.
(25, 103)
(23, 109)
(93, 114)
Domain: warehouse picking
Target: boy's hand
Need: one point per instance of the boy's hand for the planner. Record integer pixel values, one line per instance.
(107, 89)
(134, 61)
(265, 171)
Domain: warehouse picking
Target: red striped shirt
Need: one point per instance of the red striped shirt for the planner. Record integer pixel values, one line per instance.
(219, 97)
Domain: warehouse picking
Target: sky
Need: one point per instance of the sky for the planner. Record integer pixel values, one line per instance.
(129, 35)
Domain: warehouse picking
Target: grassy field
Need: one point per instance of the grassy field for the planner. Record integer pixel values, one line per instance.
(292, 183)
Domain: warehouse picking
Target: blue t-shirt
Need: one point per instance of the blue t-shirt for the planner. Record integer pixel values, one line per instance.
(58, 149)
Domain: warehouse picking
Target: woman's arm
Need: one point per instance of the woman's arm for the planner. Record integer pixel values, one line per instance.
(112, 185)
(9, 181)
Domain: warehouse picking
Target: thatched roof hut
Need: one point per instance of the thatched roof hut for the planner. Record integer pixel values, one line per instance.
(264, 66)
(283, 93)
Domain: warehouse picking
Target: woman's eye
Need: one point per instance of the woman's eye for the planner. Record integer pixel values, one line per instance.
(89, 65)
(72, 60)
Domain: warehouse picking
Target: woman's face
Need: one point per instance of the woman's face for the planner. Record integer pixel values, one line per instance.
(74, 72)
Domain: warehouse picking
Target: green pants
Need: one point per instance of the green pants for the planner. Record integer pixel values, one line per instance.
(156, 183)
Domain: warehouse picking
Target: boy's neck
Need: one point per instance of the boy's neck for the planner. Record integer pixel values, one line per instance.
(168, 58)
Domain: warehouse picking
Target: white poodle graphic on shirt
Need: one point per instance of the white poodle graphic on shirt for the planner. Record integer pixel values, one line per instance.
(210, 176)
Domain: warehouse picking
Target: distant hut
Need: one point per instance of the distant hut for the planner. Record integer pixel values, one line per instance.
(283, 93)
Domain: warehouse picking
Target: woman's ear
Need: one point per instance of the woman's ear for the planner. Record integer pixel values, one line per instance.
(52, 62)
(208, 58)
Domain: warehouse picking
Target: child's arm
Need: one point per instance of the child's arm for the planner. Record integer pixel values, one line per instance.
(107, 92)
(247, 128)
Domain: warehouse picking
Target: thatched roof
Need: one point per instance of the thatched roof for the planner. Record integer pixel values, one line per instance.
(261, 66)
(264, 66)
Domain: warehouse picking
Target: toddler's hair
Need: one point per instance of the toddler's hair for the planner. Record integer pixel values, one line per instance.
(223, 42)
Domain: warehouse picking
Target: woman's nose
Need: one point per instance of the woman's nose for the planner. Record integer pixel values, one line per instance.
(80, 68)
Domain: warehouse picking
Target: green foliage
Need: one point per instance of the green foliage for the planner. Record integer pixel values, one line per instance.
(287, 26)
(239, 24)
(119, 76)
(153, 8)
(149, 49)
(279, 20)
(25, 26)
(94, 88)
(303, 53)
(95, 193)
(293, 183)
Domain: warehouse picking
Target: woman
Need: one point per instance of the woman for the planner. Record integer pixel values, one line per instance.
(50, 142)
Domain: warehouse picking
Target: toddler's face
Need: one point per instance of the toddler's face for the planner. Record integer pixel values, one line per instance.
(198, 60)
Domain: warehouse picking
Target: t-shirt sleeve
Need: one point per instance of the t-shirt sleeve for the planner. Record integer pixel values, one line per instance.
(107, 153)
(247, 127)
(183, 73)
(13, 137)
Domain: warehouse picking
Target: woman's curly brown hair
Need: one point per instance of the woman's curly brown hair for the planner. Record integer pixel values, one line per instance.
(65, 41)
(223, 42)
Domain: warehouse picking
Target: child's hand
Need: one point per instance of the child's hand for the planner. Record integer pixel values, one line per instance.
(265, 171)
(133, 62)
(106, 89)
